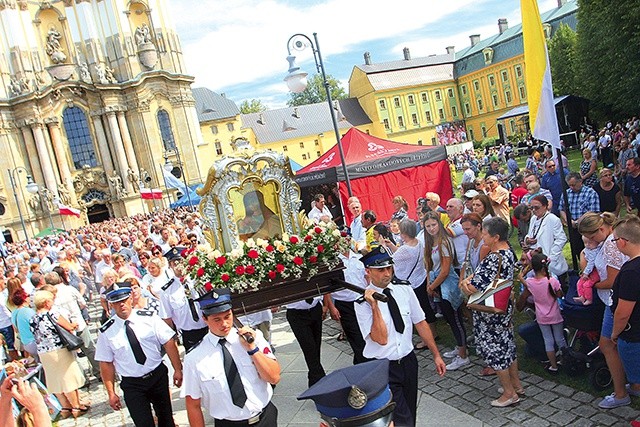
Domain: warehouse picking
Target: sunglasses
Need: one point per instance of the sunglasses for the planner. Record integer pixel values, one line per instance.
(156, 253)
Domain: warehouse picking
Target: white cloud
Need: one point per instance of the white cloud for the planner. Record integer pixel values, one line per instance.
(231, 44)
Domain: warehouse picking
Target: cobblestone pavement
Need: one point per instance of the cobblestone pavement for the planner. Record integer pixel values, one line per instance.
(460, 398)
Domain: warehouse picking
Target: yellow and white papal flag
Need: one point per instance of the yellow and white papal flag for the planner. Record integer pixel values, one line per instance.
(542, 110)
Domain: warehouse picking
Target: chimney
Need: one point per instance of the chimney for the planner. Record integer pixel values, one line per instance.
(561, 3)
(407, 55)
(475, 38)
(261, 118)
(295, 113)
(224, 95)
(451, 50)
(503, 24)
(367, 58)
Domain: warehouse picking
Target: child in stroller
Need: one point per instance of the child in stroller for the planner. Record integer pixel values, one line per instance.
(583, 353)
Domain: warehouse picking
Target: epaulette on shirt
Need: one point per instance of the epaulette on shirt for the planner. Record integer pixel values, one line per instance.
(144, 313)
(169, 283)
(397, 281)
(360, 300)
(194, 346)
(106, 325)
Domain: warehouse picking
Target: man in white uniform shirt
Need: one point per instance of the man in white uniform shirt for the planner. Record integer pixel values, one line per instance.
(129, 344)
(228, 375)
(388, 333)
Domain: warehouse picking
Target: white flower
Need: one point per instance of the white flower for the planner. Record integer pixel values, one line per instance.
(285, 237)
(335, 233)
(250, 243)
(236, 253)
(262, 243)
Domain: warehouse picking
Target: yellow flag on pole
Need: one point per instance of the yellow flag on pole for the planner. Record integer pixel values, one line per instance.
(542, 110)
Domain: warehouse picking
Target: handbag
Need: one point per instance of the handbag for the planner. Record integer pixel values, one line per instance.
(70, 340)
(495, 298)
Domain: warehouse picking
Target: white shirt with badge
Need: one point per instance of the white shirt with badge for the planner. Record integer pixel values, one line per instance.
(175, 306)
(398, 345)
(204, 377)
(113, 345)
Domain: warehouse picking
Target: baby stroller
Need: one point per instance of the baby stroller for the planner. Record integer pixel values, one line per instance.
(583, 353)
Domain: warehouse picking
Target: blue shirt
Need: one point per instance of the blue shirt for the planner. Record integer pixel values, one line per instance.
(586, 200)
(512, 166)
(358, 233)
(20, 319)
(553, 183)
(632, 189)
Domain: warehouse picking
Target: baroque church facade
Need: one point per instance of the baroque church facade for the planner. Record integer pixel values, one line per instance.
(95, 102)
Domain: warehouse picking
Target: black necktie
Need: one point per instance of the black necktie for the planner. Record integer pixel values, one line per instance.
(394, 310)
(309, 301)
(135, 344)
(238, 395)
(194, 312)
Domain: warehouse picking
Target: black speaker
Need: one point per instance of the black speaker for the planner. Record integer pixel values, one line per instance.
(501, 135)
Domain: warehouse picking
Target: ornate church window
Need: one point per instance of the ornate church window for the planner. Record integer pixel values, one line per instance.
(76, 127)
(165, 130)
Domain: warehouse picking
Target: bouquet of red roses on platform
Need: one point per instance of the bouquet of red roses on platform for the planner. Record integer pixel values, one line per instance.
(259, 261)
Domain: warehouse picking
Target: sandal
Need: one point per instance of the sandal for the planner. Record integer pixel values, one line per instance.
(64, 413)
(420, 346)
(487, 371)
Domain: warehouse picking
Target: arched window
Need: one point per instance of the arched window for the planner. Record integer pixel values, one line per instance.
(83, 152)
(165, 130)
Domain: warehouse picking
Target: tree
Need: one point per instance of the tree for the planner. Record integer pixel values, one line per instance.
(608, 60)
(562, 56)
(315, 92)
(253, 106)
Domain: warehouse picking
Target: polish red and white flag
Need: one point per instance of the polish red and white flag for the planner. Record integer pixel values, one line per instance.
(68, 210)
(151, 193)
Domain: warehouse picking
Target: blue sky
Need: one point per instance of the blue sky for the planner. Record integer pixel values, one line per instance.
(238, 47)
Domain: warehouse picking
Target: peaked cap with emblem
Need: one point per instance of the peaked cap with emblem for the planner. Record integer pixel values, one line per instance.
(215, 301)
(118, 291)
(377, 258)
(356, 395)
(174, 253)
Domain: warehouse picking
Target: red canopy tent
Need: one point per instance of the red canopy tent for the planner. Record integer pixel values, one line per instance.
(380, 170)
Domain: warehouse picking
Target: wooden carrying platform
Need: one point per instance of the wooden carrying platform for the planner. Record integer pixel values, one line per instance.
(288, 291)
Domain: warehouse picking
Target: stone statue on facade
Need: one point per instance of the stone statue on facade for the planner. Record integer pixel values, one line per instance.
(24, 85)
(47, 198)
(117, 190)
(85, 75)
(134, 179)
(53, 46)
(63, 193)
(34, 202)
(105, 74)
(14, 87)
(142, 35)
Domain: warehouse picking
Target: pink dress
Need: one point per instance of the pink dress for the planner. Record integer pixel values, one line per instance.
(547, 309)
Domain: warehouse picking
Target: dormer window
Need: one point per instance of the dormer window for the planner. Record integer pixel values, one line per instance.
(487, 53)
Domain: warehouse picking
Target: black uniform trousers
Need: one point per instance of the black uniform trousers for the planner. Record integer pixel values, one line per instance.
(403, 382)
(268, 418)
(192, 337)
(307, 328)
(141, 393)
(351, 329)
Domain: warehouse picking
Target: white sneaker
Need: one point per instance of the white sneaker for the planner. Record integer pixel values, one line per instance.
(457, 362)
(450, 354)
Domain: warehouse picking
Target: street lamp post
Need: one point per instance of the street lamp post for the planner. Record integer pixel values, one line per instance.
(168, 167)
(32, 187)
(297, 82)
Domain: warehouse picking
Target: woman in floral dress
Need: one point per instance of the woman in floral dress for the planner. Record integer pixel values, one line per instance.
(494, 332)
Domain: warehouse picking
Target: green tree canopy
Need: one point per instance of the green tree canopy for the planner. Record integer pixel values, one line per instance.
(562, 56)
(315, 92)
(253, 106)
(608, 58)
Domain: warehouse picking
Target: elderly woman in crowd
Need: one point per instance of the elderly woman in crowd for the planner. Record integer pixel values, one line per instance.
(495, 340)
(476, 249)
(157, 276)
(123, 267)
(546, 233)
(64, 376)
(20, 318)
(599, 228)
(400, 208)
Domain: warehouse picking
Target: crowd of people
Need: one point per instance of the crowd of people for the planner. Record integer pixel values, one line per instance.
(427, 262)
